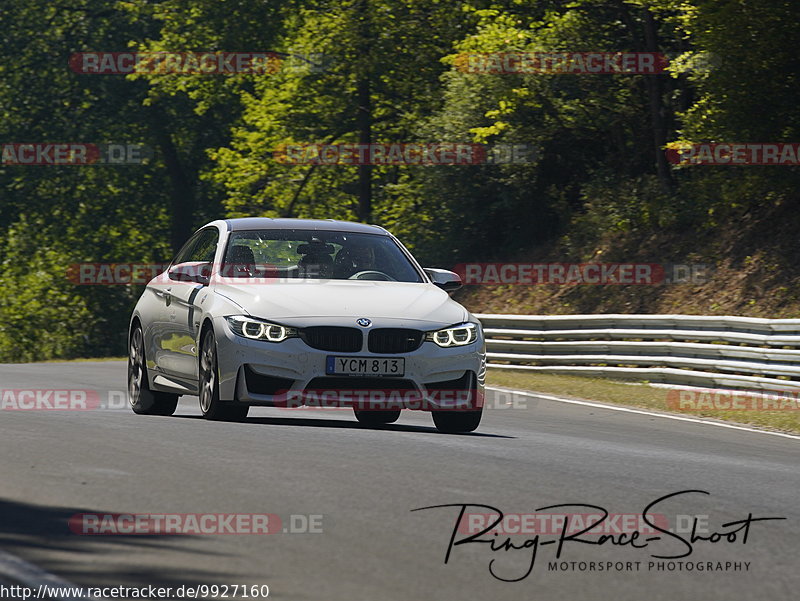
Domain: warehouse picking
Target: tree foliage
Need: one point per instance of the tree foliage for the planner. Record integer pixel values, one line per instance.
(383, 71)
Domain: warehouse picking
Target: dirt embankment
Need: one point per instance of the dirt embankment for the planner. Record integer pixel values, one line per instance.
(753, 256)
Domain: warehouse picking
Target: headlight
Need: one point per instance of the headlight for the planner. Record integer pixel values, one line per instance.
(256, 329)
(462, 335)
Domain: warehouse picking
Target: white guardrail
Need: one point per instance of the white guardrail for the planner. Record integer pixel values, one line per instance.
(695, 350)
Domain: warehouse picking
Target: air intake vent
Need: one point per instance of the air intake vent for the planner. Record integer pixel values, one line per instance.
(348, 385)
(330, 338)
(262, 384)
(394, 340)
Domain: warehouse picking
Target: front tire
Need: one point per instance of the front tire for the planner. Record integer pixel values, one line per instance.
(210, 405)
(144, 401)
(376, 418)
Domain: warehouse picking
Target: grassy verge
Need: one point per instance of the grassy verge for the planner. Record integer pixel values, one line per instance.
(647, 397)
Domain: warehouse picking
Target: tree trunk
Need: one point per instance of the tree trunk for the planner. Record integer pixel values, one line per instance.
(655, 93)
(364, 121)
(364, 114)
(182, 196)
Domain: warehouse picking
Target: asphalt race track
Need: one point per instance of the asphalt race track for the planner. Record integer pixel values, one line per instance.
(366, 482)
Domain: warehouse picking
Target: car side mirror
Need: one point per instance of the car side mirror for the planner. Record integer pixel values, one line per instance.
(446, 280)
(196, 273)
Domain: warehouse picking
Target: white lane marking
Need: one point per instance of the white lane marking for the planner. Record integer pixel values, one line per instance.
(679, 418)
(22, 573)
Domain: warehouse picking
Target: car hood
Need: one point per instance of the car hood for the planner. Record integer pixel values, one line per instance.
(384, 301)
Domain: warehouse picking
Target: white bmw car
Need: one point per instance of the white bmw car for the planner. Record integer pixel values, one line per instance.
(305, 313)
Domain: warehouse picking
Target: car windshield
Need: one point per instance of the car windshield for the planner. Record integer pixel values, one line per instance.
(313, 254)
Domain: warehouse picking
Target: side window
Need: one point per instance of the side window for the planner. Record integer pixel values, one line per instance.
(201, 247)
(206, 246)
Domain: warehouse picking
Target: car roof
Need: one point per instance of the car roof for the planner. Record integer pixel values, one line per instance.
(331, 225)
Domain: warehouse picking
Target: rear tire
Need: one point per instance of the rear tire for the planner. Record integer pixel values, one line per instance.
(142, 400)
(210, 404)
(376, 418)
(454, 422)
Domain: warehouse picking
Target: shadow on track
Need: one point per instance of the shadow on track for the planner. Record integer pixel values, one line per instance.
(315, 422)
(41, 535)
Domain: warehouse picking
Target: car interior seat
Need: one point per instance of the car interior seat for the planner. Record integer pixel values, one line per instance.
(240, 262)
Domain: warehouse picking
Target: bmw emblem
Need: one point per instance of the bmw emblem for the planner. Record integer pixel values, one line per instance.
(364, 322)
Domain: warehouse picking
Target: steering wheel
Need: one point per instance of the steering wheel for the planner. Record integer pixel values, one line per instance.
(370, 275)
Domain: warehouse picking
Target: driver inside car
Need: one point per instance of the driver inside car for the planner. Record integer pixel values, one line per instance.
(315, 261)
(354, 259)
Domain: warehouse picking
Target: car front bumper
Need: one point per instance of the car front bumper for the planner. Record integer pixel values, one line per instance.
(292, 372)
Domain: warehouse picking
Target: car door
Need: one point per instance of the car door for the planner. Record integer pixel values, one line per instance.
(178, 350)
(159, 292)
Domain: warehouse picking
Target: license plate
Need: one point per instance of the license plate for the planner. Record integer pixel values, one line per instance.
(365, 366)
